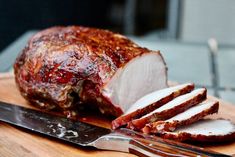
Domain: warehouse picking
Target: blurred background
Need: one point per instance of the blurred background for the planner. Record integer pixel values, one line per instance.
(197, 38)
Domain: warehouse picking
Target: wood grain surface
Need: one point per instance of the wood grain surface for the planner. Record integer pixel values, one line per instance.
(16, 142)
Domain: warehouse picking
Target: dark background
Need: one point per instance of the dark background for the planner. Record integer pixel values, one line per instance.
(19, 16)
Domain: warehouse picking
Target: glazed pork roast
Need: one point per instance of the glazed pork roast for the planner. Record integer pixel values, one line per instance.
(150, 102)
(170, 109)
(206, 130)
(177, 113)
(187, 117)
(65, 67)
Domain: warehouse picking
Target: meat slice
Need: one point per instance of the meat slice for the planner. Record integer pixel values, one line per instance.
(151, 102)
(205, 130)
(66, 67)
(187, 117)
(170, 109)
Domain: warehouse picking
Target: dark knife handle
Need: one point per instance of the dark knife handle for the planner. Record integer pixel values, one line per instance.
(126, 140)
(148, 146)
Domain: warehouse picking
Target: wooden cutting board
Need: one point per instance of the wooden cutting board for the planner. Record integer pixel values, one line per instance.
(15, 142)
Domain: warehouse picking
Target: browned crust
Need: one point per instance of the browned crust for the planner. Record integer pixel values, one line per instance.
(138, 124)
(183, 136)
(123, 120)
(201, 138)
(161, 126)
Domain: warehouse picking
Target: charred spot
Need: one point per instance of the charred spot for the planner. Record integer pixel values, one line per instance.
(75, 97)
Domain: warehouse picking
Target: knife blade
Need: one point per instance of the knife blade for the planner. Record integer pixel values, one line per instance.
(83, 134)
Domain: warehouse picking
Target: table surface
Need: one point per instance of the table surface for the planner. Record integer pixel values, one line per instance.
(187, 62)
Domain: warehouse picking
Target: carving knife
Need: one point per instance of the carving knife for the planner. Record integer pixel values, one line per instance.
(83, 134)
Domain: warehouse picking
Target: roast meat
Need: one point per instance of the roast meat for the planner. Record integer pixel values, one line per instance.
(206, 130)
(66, 67)
(187, 117)
(150, 102)
(172, 108)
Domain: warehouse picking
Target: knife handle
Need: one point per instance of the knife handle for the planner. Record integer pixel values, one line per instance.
(148, 146)
(142, 145)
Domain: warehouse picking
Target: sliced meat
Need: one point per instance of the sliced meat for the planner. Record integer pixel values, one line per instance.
(170, 109)
(205, 130)
(151, 102)
(187, 117)
(65, 67)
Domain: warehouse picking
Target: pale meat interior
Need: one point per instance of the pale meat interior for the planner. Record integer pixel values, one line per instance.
(207, 127)
(177, 101)
(155, 96)
(192, 111)
(142, 75)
